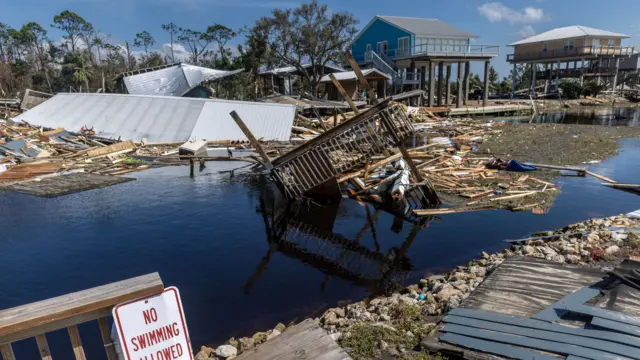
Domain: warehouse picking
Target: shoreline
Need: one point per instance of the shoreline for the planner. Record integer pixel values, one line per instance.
(396, 325)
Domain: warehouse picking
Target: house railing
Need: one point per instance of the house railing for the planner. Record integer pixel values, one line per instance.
(564, 73)
(67, 311)
(578, 51)
(431, 49)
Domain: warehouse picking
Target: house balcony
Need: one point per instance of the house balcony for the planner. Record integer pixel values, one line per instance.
(578, 52)
(432, 50)
(575, 73)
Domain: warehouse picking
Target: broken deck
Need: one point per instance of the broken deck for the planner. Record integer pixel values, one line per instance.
(492, 110)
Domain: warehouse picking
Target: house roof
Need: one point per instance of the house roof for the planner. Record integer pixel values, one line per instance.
(291, 69)
(575, 31)
(426, 27)
(351, 75)
(175, 80)
(162, 118)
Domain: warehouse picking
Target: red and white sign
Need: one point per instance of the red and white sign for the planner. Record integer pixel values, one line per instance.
(153, 328)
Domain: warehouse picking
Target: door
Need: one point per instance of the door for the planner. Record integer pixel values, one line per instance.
(403, 46)
(595, 46)
(382, 48)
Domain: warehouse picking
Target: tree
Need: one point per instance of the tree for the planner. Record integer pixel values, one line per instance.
(222, 35)
(493, 78)
(172, 29)
(144, 40)
(152, 59)
(129, 58)
(571, 88)
(195, 41)
(592, 88)
(73, 25)
(308, 34)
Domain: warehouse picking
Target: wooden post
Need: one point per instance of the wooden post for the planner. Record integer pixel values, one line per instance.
(448, 86)
(432, 67)
(335, 117)
(344, 94)
(76, 343)
(485, 99)
(315, 111)
(7, 352)
(467, 69)
(440, 80)
(423, 81)
(252, 139)
(191, 166)
(344, 117)
(106, 339)
(361, 79)
(459, 98)
(43, 347)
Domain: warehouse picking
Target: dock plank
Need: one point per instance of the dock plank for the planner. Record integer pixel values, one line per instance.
(303, 341)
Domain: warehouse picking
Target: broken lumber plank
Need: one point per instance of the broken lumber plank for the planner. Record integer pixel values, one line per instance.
(623, 186)
(117, 147)
(430, 212)
(514, 196)
(557, 167)
(344, 94)
(482, 194)
(385, 161)
(600, 177)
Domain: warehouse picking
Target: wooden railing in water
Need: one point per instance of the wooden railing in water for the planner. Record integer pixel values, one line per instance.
(67, 311)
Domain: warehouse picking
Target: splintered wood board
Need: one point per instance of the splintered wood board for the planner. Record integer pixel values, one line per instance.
(303, 341)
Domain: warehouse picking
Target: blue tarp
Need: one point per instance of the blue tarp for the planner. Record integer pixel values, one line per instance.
(517, 167)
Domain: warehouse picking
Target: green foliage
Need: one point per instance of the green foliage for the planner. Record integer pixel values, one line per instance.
(571, 89)
(365, 340)
(74, 25)
(591, 88)
(144, 40)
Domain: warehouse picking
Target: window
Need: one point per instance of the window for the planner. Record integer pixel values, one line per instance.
(403, 45)
(611, 43)
(382, 48)
(545, 47)
(568, 44)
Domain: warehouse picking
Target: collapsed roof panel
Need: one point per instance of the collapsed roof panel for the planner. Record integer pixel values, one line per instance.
(161, 118)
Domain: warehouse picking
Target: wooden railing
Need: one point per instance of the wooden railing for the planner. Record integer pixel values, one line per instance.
(574, 52)
(67, 311)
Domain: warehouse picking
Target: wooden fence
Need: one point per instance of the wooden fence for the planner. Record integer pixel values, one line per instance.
(67, 311)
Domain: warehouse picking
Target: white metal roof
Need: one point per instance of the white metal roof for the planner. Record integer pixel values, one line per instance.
(568, 32)
(351, 75)
(176, 80)
(288, 69)
(161, 118)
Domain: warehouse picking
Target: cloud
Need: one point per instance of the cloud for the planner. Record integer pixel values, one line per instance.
(179, 52)
(496, 12)
(526, 32)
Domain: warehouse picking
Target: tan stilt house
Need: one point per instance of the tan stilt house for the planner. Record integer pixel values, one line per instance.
(578, 52)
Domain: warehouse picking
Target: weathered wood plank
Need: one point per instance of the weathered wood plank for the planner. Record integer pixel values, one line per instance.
(303, 341)
(555, 311)
(43, 347)
(76, 343)
(125, 145)
(106, 339)
(525, 286)
(494, 348)
(616, 326)
(7, 352)
(83, 305)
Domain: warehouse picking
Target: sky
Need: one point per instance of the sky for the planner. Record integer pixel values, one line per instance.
(495, 22)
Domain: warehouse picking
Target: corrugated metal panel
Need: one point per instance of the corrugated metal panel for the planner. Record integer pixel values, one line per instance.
(429, 27)
(173, 81)
(164, 82)
(568, 32)
(290, 69)
(161, 118)
(351, 75)
(266, 121)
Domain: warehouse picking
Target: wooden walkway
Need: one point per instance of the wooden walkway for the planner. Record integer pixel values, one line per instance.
(523, 286)
(491, 110)
(303, 341)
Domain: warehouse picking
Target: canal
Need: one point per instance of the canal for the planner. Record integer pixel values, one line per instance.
(208, 237)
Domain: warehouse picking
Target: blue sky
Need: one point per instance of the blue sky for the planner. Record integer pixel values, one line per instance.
(495, 22)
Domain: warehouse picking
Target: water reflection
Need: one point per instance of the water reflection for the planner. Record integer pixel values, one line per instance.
(306, 233)
(606, 116)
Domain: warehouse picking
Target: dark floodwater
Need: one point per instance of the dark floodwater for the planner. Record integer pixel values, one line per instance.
(606, 116)
(208, 237)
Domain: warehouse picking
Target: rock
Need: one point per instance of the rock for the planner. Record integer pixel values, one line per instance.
(434, 278)
(409, 300)
(423, 283)
(343, 303)
(414, 294)
(431, 309)
(618, 237)
(558, 259)
(246, 344)
(336, 336)
(573, 259)
(612, 250)
(226, 351)
(280, 327)
(431, 299)
(593, 238)
(453, 302)
(460, 276)
(462, 286)
(383, 345)
(446, 292)
(485, 255)
(205, 353)
(260, 337)
(330, 318)
(409, 334)
(273, 334)
(339, 312)
(375, 302)
(529, 250)
(385, 317)
(547, 251)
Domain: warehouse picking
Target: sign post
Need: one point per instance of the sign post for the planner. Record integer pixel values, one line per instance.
(153, 328)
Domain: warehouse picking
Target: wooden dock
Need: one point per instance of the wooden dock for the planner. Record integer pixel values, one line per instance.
(492, 110)
(524, 287)
(306, 341)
